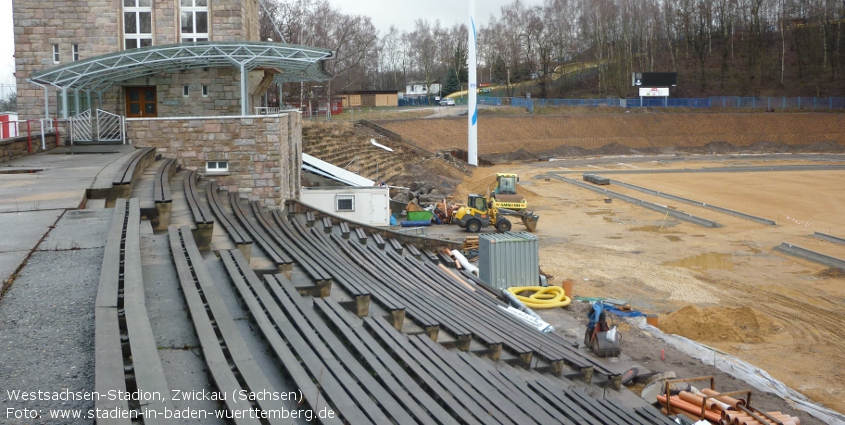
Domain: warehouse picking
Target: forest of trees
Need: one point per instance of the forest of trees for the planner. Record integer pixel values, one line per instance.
(588, 48)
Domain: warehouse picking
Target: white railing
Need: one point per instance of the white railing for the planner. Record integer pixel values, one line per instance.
(267, 110)
(81, 128)
(109, 127)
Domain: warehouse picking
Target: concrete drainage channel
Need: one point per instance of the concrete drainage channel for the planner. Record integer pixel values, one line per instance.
(645, 204)
(696, 203)
(797, 251)
(829, 238)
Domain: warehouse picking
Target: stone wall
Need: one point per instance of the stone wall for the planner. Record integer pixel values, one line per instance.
(93, 24)
(17, 147)
(224, 93)
(96, 26)
(264, 152)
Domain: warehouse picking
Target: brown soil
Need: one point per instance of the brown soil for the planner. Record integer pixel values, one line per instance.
(791, 309)
(720, 324)
(518, 137)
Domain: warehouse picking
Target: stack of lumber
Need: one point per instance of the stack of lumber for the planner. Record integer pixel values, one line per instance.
(471, 243)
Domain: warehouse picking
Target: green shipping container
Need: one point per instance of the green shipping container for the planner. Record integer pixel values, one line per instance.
(419, 215)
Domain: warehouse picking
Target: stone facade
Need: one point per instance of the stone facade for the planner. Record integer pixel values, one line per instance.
(263, 152)
(96, 26)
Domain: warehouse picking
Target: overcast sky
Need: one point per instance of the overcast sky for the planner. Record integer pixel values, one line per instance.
(7, 43)
(384, 13)
(403, 13)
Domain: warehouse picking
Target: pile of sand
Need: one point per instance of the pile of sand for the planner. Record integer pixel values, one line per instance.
(720, 324)
(483, 179)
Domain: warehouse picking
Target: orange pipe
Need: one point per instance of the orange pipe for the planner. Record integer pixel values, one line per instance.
(733, 402)
(692, 398)
(689, 407)
(742, 418)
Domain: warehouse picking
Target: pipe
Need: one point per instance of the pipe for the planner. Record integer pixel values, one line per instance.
(464, 262)
(712, 404)
(517, 304)
(733, 402)
(543, 296)
(689, 407)
(450, 273)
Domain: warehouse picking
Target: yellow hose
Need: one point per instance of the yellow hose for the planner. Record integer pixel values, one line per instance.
(543, 296)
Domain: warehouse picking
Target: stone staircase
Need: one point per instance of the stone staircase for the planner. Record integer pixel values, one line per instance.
(345, 146)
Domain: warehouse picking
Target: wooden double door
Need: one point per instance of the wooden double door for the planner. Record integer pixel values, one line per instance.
(141, 102)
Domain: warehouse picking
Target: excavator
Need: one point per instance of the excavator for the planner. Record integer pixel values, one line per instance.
(504, 193)
(480, 212)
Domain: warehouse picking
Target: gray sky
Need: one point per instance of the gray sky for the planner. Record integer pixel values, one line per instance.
(384, 13)
(403, 13)
(7, 43)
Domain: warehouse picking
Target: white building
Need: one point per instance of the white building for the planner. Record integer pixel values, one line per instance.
(419, 89)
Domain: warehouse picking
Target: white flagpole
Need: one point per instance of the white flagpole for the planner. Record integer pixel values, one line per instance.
(472, 103)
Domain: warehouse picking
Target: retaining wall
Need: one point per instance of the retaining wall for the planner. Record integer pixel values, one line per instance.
(17, 147)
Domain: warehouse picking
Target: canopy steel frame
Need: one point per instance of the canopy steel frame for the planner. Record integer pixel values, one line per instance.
(295, 64)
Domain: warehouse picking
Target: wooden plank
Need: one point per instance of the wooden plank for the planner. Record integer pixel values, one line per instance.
(433, 390)
(235, 231)
(201, 213)
(319, 371)
(109, 272)
(256, 296)
(258, 235)
(559, 401)
(396, 245)
(625, 412)
(108, 363)
(485, 395)
(385, 369)
(329, 347)
(608, 416)
(255, 379)
(149, 374)
(378, 240)
(519, 394)
(402, 348)
(218, 366)
(161, 187)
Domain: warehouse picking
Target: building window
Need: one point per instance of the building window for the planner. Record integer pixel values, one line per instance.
(55, 53)
(137, 24)
(344, 203)
(75, 56)
(194, 18)
(204, 90)
(217, 166)
(185, 91)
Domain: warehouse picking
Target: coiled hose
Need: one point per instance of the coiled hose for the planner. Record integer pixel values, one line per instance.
(543, 296)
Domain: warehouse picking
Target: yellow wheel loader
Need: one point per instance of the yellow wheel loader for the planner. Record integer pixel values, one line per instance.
(479, 212)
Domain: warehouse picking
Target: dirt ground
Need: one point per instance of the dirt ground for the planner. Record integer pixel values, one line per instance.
(724, 287)
(638, 132)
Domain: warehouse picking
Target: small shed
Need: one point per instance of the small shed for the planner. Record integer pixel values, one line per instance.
(509, 259)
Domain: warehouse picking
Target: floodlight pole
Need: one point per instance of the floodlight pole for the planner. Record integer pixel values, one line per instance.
(472, 103)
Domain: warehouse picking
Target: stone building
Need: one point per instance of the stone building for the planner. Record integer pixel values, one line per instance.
(184, 76)
(50, 33)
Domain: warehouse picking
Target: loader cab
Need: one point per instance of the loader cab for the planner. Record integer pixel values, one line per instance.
(478, 202)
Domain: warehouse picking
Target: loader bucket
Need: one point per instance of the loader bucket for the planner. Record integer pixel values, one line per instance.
(530, 222)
